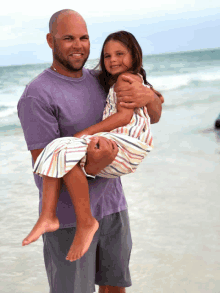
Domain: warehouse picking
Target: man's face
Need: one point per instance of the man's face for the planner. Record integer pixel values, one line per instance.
(71, 44)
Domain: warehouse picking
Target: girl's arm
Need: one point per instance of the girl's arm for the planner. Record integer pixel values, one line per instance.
(121, 118)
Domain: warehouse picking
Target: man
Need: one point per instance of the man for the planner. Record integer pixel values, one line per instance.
(61, 101)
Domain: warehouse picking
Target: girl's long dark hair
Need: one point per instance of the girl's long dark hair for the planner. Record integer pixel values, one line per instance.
(130, 42)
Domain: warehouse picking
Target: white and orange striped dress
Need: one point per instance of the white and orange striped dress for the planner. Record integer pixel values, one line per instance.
(134, 141)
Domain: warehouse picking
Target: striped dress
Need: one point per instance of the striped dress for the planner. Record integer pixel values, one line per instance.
(134, 141)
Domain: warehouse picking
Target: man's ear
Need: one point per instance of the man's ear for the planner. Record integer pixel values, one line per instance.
(50, 40)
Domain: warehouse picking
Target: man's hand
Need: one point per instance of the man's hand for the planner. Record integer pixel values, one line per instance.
(134, 94)
(100, 153)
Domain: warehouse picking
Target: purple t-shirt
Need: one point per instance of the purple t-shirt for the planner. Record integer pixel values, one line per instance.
(55, 105)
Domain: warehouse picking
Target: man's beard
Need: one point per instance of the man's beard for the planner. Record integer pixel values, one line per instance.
(58, 56)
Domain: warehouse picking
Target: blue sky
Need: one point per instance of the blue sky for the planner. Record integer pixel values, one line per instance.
(160, 27)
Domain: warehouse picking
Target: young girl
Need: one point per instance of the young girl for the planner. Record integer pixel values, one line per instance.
(64, 157)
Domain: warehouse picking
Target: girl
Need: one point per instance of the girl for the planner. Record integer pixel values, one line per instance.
(65, 157)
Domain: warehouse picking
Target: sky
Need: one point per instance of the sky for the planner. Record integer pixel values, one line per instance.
(160, 27)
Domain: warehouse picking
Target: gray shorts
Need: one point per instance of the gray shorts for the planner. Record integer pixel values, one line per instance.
(105, 263)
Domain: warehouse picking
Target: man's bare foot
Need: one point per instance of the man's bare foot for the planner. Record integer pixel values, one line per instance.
(82, 240)
(44, 224)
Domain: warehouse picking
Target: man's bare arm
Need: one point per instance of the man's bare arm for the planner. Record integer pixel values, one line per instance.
(154, 109)
(35, 154)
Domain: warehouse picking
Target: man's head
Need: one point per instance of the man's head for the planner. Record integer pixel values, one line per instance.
(69, 40)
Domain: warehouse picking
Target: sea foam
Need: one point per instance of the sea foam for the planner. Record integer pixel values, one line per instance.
(172, 82)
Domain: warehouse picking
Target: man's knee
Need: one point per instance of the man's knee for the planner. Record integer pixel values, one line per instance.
(111, 289)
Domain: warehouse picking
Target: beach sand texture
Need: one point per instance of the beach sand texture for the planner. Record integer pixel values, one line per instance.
(173, 198)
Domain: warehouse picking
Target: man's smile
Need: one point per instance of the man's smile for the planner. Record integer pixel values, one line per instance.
(76, 55)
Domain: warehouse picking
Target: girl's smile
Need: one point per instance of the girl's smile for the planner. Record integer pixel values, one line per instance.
(117, 58)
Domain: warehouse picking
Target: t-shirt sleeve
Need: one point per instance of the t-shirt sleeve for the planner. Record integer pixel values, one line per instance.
(39, 123)
(94, 72)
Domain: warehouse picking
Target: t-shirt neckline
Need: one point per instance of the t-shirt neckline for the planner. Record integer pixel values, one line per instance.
(73, 79)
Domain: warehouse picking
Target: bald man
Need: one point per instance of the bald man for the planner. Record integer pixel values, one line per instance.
(63, 100)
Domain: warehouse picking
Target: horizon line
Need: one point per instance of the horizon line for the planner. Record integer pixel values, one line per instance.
(165, 53)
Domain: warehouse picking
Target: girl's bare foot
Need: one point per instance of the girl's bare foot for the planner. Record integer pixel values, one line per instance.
(44, 224)
(82, 240)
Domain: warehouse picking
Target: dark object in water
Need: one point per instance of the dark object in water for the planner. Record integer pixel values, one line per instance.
(217, 122)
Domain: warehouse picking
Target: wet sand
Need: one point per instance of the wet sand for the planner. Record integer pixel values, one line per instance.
(174, 212)
(173, 202)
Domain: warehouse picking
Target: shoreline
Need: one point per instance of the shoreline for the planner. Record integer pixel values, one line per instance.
(97, 59)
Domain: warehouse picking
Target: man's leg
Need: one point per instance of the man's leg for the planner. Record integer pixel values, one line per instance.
(105, 263)
(111, 289)
(113, 254)
(65, 276)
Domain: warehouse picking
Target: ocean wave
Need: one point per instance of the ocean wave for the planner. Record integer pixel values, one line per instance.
(8, 108)
(8, 127)
(7, 104)
(9, 100)
(210, 77)
(172, 82)
(8, 112)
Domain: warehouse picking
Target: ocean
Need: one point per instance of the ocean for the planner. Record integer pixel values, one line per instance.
(173, 198)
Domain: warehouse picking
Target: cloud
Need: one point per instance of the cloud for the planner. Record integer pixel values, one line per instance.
(96, 8)
(22, 32)
(24, 26)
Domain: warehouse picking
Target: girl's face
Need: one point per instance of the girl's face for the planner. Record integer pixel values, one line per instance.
(117, 57)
